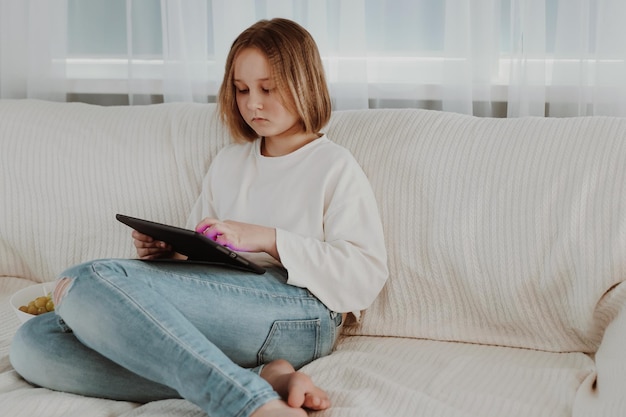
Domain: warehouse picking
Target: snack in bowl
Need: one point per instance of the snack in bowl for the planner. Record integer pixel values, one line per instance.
(35, 296)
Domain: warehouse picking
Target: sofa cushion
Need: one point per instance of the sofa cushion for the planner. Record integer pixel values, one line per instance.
(401, 377)
(500, 231)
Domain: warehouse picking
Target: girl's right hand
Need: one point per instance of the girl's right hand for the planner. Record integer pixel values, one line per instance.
(149, 248)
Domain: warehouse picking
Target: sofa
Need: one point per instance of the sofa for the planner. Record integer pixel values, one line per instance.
(506, 241)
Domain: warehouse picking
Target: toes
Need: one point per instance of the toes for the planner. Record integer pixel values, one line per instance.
(312, 401)
(297, 396)
(316, 401)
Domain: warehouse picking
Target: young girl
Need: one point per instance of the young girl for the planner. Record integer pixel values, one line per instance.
(227, 340)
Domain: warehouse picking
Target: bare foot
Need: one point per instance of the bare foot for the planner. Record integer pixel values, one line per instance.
(278, 408)
(296, 388)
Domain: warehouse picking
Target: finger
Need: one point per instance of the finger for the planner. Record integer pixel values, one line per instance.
(225, 241)
(148, 251)
(205, 224)
(140, 236)
(151, 256)
(151, 253)
(151, 244)
(212, 231)
(222, 240)
(144, 244)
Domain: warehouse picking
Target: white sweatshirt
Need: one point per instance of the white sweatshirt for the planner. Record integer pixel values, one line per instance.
(328, 230)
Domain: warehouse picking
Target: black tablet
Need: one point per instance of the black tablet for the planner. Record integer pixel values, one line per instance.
(196, 246)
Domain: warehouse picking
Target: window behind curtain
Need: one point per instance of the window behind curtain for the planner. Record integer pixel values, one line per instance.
(527, 55)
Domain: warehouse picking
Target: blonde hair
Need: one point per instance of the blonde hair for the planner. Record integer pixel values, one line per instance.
(296, 69)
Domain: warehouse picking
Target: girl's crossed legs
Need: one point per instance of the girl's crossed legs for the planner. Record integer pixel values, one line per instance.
(173, 330)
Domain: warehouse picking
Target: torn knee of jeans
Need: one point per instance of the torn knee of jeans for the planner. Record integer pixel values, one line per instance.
(61, 289)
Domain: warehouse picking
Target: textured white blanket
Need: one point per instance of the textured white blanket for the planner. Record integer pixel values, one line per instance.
(507, 247)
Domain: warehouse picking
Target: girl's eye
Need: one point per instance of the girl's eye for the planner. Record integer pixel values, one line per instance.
(242, 90)
(266, 90)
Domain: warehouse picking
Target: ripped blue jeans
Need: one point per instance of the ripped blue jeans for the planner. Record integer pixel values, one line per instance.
(143, 331)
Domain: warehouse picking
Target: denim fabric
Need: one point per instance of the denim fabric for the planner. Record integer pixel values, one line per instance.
(143, 331)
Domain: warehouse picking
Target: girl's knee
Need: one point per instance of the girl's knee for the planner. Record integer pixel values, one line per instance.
(61, 289)
(66, 279)
(84, 271)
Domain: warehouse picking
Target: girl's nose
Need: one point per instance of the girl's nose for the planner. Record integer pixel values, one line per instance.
(255, 102)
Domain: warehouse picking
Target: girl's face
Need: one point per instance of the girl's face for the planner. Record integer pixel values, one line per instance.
(257, 99)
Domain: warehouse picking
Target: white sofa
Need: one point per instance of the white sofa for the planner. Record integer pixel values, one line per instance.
(506, 239)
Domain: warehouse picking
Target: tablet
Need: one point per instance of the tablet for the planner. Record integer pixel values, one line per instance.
(196, 246)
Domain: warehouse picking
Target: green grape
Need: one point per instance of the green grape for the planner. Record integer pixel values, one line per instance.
(41, 302)
(39, 305)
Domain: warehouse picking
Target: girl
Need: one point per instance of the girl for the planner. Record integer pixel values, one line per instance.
(227, 340)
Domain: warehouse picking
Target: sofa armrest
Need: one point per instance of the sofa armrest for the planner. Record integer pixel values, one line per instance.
(603, 392)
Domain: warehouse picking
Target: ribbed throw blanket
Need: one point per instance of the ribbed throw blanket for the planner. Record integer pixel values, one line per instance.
(506, 241)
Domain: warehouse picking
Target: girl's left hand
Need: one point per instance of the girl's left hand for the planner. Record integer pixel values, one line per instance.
(243, 237)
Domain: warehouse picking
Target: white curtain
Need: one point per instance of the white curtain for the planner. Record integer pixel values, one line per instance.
(484, 57)
(33, 49)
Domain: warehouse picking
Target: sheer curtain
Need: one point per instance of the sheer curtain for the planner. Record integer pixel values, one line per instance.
(33, 49)
(484, 57)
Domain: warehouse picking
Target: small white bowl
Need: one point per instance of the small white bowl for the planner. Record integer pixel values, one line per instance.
(28, 294)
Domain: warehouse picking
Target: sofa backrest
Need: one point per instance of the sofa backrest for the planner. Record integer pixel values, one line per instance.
(500, 231)
(68, 168)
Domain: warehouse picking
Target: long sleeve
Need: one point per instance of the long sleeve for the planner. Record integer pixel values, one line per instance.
(348, 267)
(328, 230)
